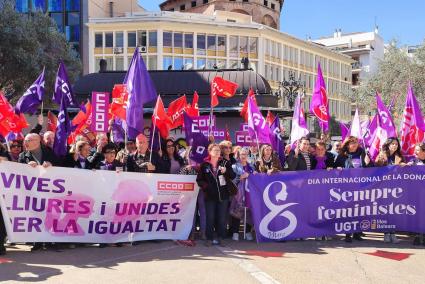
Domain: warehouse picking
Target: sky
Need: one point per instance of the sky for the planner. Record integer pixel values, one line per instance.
(400, 20)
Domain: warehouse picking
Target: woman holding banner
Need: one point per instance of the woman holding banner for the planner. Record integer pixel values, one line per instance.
(419, 161)
(214, 179)
(390, 154)
(352, 156)
(170, 162)
(268, 162)
(239, 205)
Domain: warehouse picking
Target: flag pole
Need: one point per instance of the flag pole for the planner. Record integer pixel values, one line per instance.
(154, 128)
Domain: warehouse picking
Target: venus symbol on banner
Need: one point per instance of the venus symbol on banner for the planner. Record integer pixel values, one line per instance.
(275, 211)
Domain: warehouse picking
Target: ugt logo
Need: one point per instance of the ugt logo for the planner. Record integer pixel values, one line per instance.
(277, 209)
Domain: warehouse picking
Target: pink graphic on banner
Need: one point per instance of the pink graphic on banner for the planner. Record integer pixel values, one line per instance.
(100, 110)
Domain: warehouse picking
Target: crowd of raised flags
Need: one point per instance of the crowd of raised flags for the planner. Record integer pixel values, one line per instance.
(128, 99)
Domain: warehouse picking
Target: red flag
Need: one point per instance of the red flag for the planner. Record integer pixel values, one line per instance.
(270, 117)
(227, 134)
(82, 115)
(119, 101)
(244, 110)
(52, 121)
(222, 88)
(175, 111)
(9, 121)
(160, 118)
(193, 109)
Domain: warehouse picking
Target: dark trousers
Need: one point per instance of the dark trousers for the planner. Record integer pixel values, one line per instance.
(2, 230)
(216, 212)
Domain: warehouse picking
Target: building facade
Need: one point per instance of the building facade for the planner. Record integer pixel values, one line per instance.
(367, 49)
(266, 12)
(71, 17)
(174, 40)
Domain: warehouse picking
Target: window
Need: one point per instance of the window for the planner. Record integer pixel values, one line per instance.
(98, 40)
(38, 5)
(205, 1)
(109, 40)
(253, 45)
(167, 63)
(272, 6)
(233, 46)
(178, 63)
(221, 43)
(73, 5)
(58, 18)
(201, 44)
(131, 39)
(119, 63)
(182, 7)
(188, 63)
(119, 39)
(193, 3)
(141, 38)
(54, 5)
(178, 40)
(266, 3)
(22, 6)
(211, 42)
(168, 39)
(188, 40)
(211, 64)
(152, 63)
(200, 64)
(244, 44)
(153, 39)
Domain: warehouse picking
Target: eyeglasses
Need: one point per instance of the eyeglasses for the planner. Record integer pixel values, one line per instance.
(15, 146)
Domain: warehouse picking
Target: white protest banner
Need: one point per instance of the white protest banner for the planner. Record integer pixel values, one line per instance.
(72, 205)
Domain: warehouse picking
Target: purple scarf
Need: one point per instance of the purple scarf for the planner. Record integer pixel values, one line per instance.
(321, 165)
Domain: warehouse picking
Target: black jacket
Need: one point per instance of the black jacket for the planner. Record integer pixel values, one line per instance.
(164, 163)
(136, 163)
(342, 160)
(298, 163)
(47, 155)
(210, 184)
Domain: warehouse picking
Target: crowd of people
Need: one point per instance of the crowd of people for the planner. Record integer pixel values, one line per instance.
(222, 204)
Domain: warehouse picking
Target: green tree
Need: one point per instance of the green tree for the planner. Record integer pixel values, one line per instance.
(29, 42)
(394, 72)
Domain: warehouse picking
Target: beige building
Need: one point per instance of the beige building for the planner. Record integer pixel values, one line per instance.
(175, 40)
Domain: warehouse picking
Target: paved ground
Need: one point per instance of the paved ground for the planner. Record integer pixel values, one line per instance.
(236, 262)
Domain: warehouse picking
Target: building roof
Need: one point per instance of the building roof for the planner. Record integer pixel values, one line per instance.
(172, 84)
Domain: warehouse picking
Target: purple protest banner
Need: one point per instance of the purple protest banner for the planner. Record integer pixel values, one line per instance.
(318, 203)
(99, 113)
(203, 121)
(243, 127)
(243, 138)
(219, 134)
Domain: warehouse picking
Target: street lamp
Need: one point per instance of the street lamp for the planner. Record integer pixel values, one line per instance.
(291, 88)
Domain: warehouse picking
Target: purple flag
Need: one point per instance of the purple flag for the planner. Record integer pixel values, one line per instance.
(344, 130)
(277, 140)
(63, 130)
(299, 126)
(319, 102)
(118, 133)
(63, 88)
(195, 139)
(32, 97)
(385, 119)
(156, 142)
(257, 124)
(141, 90)
(368, 130)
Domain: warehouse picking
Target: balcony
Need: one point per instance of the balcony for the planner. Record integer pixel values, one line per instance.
(356, 67)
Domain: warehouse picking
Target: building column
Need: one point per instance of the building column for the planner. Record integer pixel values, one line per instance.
(160, 49)
(261, 57)
(89, 65)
